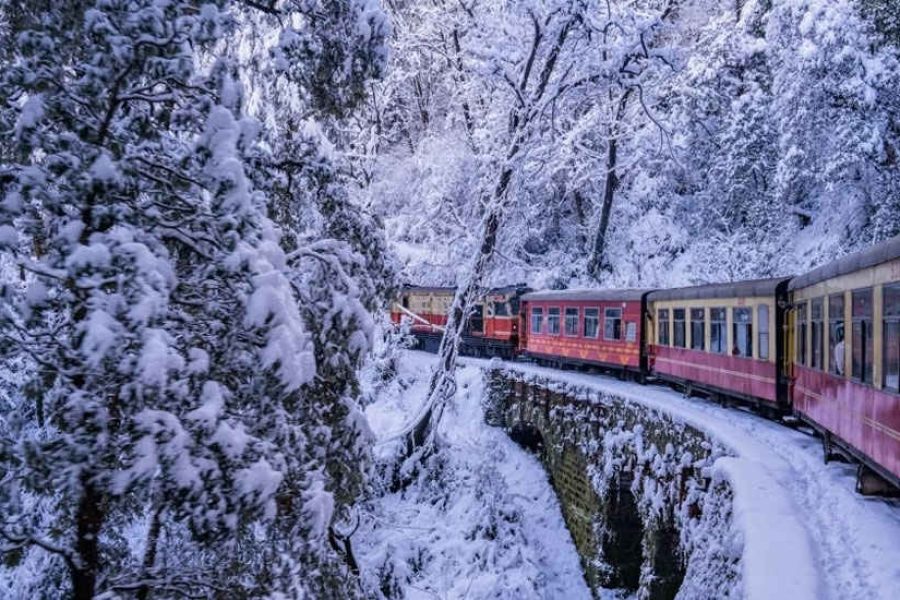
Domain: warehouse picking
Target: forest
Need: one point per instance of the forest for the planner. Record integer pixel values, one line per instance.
(208, 207)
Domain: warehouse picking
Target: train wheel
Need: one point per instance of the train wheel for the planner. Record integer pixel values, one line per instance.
(869, 483)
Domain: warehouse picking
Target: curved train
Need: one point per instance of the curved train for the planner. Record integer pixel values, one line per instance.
(821, 348)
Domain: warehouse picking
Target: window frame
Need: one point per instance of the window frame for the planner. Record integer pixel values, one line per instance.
(675, 322)
(596, 319)
(867, 346)
(801, 326)
(816, 333)
(723, 328)
(702, 323)
(735, 324)
(550, 316)
(890, 320)
(763, 331)
(565, 318)
(537, 311)
(620, 319)
(834, 318)
(660, 328)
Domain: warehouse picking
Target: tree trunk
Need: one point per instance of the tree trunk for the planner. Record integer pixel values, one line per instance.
(596, 263)
(442, 384)
(150, 550)
(89, 520)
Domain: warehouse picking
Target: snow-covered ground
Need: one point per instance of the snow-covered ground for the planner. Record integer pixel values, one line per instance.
(807, 532)
(487, 524)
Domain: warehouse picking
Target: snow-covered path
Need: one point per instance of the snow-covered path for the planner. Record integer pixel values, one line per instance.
(852, 542)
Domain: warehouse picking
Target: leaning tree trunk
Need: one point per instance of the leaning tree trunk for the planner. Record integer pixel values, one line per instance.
(597, 261)
(421, 434)
(443, 381)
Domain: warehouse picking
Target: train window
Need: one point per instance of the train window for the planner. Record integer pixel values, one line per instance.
(553, 321)
(892, 337)
(612, 324)
(762, 326)
(662, 323)
(501, 309)
(742, 331)
(537, 320)
(698, 328)
(591, 322)
(678, 321)
(817, 326)
(571, 321)
(800, 334)
(836, 334)
(861, 342)
(718, 341)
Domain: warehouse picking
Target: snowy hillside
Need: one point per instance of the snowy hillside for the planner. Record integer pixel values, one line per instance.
(676, 142)
(483, 523)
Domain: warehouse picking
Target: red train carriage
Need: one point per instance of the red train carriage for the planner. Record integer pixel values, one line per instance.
(585, 328)
(725, 339)
(845, 330)
(491, 329)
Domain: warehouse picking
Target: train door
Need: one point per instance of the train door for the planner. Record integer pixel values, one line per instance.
(785, 320)
(475, 323)
(524, 325)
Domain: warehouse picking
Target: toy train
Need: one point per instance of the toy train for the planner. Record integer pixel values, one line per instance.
(822, 348)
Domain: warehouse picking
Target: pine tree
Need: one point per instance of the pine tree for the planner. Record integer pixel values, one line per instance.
(192, 373)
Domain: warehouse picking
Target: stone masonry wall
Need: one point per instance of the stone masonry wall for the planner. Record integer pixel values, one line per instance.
(636, 487)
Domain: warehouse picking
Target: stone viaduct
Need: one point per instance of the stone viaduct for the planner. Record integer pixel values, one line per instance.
(639, 494)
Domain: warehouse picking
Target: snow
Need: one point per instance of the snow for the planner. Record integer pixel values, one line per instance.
(212, 404)
(319, 507)
(89, 256)
(288, 346)
(807, 533)
(104, 169)
(99, 336)
(260, 481)
(32, 112)
(8, 236)
(484, 524)
(156, 359)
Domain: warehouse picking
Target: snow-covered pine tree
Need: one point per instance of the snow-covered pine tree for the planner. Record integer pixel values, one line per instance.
(179, 352)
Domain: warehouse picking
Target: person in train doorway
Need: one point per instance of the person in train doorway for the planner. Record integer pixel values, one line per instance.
(838, 357)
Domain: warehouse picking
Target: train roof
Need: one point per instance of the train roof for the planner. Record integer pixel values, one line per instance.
(588, 294)
(877, 254)
(438, 289)
(734, 289)
(425, 289)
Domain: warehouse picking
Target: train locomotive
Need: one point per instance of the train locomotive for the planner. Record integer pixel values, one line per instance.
(821, 349)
